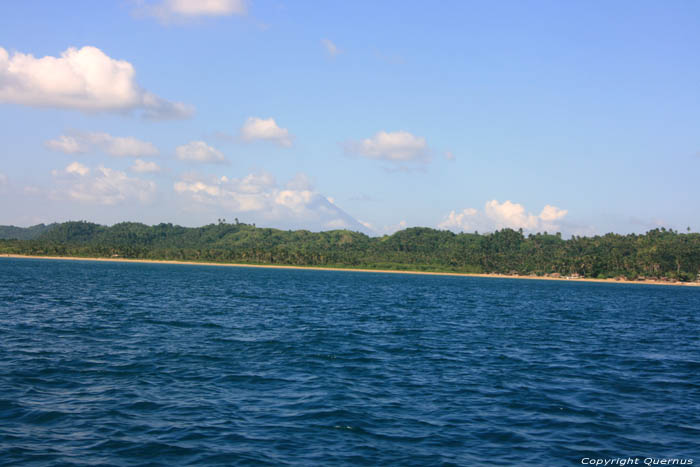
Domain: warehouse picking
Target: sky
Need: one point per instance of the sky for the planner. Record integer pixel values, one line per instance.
(580, 117)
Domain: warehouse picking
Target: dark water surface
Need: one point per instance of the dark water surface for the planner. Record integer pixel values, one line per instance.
(124, 364)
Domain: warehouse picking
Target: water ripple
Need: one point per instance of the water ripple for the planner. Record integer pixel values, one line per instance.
(122, 364)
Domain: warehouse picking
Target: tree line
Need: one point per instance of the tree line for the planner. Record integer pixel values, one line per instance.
(658, 254)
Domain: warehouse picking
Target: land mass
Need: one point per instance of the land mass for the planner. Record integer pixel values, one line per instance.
(351, 269)
(660, 255)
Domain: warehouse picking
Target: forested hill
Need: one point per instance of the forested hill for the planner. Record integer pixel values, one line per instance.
(659, 253)
(23, 233)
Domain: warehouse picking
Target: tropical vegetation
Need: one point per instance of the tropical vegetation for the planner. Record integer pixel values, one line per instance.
(658, 254)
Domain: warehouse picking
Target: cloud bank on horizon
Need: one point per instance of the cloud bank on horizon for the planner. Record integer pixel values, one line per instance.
(102, 186)
(496, 216)
(296, 204)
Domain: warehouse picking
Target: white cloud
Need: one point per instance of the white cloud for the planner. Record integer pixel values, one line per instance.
(497, 216)
(117, 146)
(295, 200)
(267, 130)
(450, 156)
(103, 186)
(459, 221)
(169, 10)
(259, 197)
(66, 144)
(398, 146)
(510, 215)
(330, 47)
(552, 213)
(199, 151)
(83, 79)
(141, 166)
(77, 168)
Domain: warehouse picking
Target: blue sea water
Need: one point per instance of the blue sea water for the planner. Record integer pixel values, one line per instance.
(152, 364)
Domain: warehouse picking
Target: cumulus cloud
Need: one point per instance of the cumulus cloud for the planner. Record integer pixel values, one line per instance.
(76, 168)
(330, 47)
(464, 220)
(497, 216)
(266, 130)
(170, 10)
(510, 215)
(552, 213)
(199, 151)
(398, 146)
(65, 144)
(259, 196)
(117, 146)
(141, 166)
(102, 186)
(83, 79)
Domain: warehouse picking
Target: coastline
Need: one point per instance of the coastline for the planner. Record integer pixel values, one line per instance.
(389, 271)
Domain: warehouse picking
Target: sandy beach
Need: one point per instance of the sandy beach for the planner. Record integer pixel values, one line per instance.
(389, 271)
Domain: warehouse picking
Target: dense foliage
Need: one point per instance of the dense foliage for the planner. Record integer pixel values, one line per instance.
(23, 233)
(659, 253)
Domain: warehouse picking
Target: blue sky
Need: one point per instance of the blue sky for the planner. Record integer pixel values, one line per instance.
(579, 117)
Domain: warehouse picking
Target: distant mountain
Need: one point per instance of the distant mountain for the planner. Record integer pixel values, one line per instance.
(8, 232)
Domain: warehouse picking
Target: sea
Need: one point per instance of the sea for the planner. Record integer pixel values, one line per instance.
(109, 363)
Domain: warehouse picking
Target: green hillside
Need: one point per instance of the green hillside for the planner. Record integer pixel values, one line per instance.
(23, 233)
(659, 253)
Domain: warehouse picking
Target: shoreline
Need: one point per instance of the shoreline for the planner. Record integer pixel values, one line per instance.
(386, 271)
